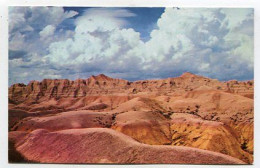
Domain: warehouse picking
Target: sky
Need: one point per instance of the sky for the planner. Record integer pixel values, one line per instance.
(130, 43)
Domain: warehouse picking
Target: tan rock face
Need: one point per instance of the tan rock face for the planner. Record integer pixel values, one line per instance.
(215, 136)
(174, 113)
(144, 126)
(243, 88)
(103, 85)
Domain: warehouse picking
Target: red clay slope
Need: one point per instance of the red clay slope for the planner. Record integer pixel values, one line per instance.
(102, 145)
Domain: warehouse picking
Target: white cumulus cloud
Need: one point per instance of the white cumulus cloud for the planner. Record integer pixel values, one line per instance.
(27, 25)
(207, 41)
(47, 32)
(98, 37)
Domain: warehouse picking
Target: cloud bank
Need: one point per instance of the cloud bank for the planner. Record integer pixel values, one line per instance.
(211, 42)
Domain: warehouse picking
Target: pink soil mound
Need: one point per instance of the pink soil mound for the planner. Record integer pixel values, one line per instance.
(66, 120)
(54, 105)
(102, 145)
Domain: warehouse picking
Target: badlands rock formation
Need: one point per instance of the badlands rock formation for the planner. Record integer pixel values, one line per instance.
(101, 145)
(187, 119)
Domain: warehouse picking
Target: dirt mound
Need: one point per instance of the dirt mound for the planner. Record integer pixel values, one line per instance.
(100, 145)
(190, 130)
(148, 127)
(213, 105)
(65, 120)
(68, 104)
(96, 106)
(140, 104)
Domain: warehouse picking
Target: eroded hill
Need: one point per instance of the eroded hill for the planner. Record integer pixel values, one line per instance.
(186, 111)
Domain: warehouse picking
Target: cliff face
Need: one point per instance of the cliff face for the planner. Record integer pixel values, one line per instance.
(101, 84)
(59, 88)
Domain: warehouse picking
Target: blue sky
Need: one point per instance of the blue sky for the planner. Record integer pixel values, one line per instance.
(144, 22)
(129, 43)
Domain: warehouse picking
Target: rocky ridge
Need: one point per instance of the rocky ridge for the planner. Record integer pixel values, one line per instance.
(101, 84)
